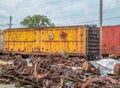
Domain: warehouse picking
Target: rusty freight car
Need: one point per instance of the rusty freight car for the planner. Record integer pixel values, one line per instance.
(111, 41)
(72, 40)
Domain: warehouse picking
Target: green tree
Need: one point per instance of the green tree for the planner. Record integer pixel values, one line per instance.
(37, 21)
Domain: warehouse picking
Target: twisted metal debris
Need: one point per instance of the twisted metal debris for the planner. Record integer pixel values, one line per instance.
(58, 72)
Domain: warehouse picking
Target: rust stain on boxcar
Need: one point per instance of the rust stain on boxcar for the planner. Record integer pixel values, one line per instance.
(63, 35)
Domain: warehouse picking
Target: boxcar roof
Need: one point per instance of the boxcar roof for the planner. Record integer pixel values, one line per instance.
(51, 27)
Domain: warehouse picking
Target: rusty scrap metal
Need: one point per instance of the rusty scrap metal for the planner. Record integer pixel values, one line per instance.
(57, 72)
(101, 82)
(87, 67)
(117, 69)
(35, 73)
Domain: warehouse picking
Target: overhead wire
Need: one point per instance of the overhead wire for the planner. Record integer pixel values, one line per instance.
(89, 21)
(117, 17)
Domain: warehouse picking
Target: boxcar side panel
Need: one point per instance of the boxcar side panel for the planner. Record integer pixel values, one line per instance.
(19, 40)
(64, 40)
(111, 40)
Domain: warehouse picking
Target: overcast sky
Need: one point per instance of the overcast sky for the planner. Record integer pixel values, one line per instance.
(61, 12)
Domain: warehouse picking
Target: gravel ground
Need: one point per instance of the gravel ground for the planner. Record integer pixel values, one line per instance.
(8, 86)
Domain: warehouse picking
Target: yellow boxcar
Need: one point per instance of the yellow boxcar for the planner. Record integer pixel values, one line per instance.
(73, 40)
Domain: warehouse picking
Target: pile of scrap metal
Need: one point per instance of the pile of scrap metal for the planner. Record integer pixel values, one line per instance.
(60, 72)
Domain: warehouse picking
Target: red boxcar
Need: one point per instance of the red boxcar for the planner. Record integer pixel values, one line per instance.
(111, 40)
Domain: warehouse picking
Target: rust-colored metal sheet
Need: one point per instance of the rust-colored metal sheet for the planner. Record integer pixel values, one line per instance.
(111, 40)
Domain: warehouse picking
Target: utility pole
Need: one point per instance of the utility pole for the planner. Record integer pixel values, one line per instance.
(101, 22)
(10, 24)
